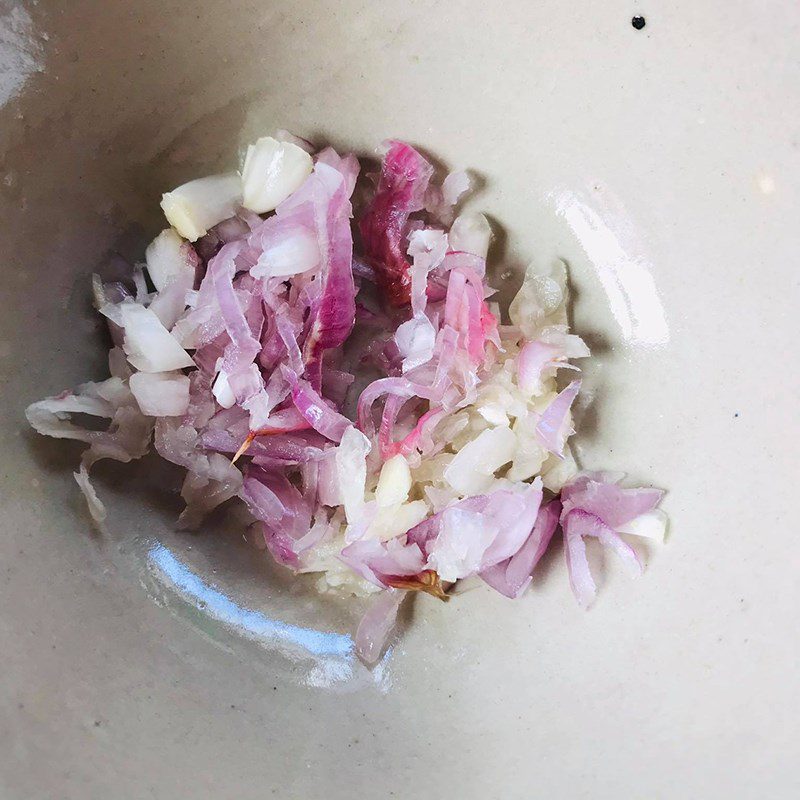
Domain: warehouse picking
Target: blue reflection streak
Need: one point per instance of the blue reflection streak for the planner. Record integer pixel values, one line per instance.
(253, 623)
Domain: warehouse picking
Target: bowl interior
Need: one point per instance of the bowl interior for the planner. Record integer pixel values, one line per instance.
(655, 162)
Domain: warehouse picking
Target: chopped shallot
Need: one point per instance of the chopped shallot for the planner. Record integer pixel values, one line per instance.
(381, 423)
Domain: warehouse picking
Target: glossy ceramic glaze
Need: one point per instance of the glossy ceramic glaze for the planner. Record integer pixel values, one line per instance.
(662, 164)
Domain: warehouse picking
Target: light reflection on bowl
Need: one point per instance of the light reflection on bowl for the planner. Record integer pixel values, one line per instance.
(331, 654)
(618, 256)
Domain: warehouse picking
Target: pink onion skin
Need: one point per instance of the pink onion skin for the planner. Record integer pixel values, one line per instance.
(514, 513)
(282, 510)
(401, 191)
(593, 505)
(551, 429)
(580, 576)
(335, 313)
(512, 576)
(317, 412)
(609, 502)
(222, 270)
(377, 561)
(377, 624)
(292, 448)
(420, 437)
(577, 525)
(347, 165)
(534, 357)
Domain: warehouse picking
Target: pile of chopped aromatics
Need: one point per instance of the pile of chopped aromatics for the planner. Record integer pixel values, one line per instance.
(382, 425)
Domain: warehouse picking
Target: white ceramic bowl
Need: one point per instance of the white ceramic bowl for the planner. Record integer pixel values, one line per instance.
(663, 164)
